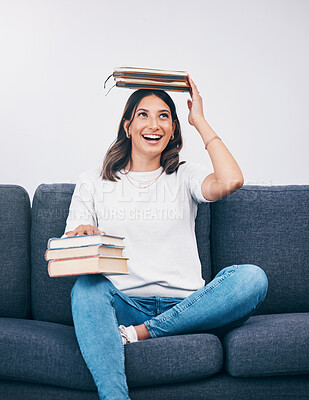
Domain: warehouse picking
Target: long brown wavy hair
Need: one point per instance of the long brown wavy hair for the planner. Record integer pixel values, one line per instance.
(119, 153)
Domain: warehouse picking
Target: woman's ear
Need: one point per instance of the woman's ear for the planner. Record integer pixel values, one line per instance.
(125, 126)
(174, 127)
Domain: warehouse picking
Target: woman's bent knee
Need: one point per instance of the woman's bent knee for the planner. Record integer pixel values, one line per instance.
(257, 277)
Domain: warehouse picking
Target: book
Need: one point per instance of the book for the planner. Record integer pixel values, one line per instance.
(96, 264)
(83, 240)
(148, 78)
(152, 84)
(82, 251)
(150, 73)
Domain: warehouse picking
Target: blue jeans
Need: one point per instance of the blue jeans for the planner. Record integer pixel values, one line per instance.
(98, 308)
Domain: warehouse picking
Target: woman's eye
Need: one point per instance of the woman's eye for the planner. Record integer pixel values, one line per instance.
(144, 114)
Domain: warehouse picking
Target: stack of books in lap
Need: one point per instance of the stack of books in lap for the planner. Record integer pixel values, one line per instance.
(86, 254)
(147, 78)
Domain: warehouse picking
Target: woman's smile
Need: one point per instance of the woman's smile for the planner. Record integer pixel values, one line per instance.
(152, 138)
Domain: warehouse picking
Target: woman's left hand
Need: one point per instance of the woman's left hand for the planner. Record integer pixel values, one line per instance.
(196, 115)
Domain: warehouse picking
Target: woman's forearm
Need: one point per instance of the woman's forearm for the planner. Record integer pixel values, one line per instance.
(226, 169)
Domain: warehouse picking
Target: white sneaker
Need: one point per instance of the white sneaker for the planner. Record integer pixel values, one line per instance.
(128, 334)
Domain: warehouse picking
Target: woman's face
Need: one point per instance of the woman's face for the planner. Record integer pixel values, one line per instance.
(152, 126)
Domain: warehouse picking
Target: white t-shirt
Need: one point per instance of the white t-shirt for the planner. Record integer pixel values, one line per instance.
(158, 224)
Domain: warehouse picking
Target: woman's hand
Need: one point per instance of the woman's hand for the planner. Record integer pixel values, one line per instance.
(196, 115)
(84, 230)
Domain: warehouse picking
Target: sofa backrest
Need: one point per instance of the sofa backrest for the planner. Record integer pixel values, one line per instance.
(50, 296)
(267, 226)
(15, 224)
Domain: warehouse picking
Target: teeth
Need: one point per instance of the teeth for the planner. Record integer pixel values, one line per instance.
(152, 136)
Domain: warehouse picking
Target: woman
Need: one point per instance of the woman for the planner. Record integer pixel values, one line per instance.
(144, 194)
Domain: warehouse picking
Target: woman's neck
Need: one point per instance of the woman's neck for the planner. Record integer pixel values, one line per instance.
(142, 165)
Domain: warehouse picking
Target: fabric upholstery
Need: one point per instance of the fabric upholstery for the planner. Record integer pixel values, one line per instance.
(202, 233)
(267, 345)
(218, 387)
(173, 359)
(224, 387)
(12, 390)
(50, 296)
(15, 227)
(268, 227)
(48, 353)
(42, 352)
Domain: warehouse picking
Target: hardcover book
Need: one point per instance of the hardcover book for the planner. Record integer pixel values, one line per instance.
(84, 240)
(82, 251)
(97, 264)
(147, 78)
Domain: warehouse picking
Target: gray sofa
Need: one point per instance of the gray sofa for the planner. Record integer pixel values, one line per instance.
(265, 358)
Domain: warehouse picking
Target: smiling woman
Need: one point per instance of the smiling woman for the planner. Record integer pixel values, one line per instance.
(152, 201)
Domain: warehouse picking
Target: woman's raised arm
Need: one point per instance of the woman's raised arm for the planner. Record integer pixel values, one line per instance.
(227, 176)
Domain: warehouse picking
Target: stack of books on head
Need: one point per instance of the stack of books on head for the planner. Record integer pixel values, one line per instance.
(86, 254)
(147, 78)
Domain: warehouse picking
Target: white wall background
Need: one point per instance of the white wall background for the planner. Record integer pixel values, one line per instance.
(249, 59)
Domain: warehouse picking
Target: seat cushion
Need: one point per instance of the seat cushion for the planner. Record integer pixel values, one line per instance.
(267, 226)
(173, 359)
(268, 345)
(15, 227)
(48, 353)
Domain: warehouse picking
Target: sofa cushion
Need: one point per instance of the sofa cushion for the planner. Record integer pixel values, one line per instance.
(48, 353)
(267, 345)
(267, 226)
(169, 359)
(50, 296)
(42, 352)
(15, 227)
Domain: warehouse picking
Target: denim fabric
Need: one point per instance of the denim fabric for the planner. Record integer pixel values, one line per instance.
(269, 227)
(267, 345)
(50, 296)
(15, 227)
(98, 308)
